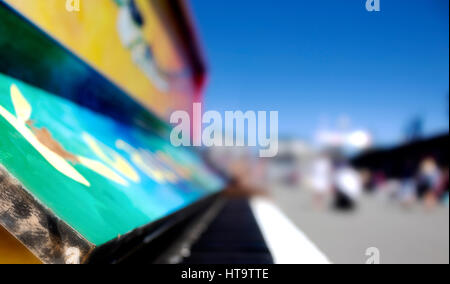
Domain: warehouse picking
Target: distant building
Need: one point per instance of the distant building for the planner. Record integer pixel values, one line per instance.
(404, 160)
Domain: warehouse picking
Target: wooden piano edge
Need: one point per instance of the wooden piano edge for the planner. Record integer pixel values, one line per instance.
(35, 226)
(55, 242)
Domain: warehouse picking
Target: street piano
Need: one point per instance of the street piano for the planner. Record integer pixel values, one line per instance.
(87, 171)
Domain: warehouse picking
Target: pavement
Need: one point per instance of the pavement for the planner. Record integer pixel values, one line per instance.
(403, 236)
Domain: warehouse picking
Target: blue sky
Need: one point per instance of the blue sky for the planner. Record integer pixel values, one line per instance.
(318, 60)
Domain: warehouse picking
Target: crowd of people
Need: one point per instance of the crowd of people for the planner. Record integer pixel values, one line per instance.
(428, 183)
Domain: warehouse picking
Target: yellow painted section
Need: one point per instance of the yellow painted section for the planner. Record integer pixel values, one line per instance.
(14, 252)
(117, 162)
(93, 34)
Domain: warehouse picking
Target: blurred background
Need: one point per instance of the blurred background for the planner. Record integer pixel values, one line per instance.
(363, 117)
(362, 97)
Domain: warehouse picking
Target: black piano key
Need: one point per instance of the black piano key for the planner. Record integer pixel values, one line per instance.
(232, 238)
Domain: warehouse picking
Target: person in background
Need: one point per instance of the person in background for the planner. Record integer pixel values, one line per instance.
(348, 185)
(321, 182)
(407, 194)
(444, 186)
(428, 182)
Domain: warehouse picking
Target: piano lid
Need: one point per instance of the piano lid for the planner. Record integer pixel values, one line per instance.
(146, 47)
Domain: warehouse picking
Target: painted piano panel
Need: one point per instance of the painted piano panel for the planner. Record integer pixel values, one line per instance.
(101, 177)
(134, 43)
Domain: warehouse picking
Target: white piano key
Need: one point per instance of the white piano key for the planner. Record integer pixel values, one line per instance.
(287, 243)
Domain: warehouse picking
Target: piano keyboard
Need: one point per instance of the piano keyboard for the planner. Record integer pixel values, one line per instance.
(233, 237)
(253, 232)
(121, 212)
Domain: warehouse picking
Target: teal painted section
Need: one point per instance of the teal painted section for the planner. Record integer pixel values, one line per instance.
(105, 209)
